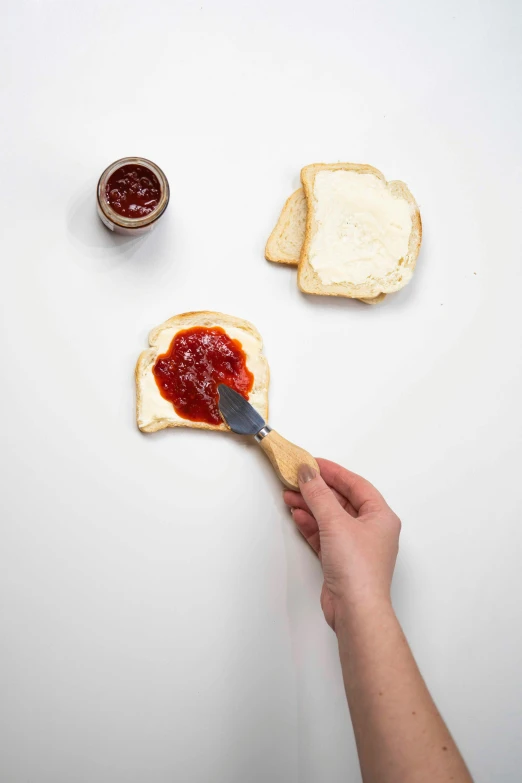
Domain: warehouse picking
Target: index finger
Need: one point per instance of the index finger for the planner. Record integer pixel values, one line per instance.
(361, 493)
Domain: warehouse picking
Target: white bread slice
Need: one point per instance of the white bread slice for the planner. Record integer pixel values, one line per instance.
(363, 235)
(286, 240)
(154, 412)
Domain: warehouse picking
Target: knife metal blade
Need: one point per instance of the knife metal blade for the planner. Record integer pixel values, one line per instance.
(240, 416)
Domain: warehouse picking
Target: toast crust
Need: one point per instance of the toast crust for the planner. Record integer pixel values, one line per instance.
(307, 278)
(184, 321)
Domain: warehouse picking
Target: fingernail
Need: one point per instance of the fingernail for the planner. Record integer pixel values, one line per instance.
(306, 473)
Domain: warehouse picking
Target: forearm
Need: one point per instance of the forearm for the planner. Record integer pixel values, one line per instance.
(401, 737)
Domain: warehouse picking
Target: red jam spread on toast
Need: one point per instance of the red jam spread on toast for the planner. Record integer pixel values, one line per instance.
(198, 360)
(133, 191)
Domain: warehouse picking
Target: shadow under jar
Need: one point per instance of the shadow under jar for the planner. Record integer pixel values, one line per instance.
(132, 195)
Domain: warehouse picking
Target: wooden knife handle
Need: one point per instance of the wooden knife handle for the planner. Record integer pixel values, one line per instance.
(286, 458)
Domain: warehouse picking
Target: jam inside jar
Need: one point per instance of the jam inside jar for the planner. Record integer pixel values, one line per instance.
(132, 195)
(197, 361)
(133, 191)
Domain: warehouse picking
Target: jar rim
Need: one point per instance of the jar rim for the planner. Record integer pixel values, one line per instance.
(115, 217)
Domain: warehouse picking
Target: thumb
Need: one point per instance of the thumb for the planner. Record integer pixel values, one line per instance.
(318, 496)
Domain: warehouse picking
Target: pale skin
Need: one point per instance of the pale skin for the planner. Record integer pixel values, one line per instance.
(401, 736)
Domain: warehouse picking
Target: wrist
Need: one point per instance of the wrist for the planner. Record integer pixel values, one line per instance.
(352, 612)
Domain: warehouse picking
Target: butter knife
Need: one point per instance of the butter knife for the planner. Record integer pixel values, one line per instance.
(243, 419)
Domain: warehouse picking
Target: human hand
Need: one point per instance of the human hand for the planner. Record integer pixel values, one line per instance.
(354, 532)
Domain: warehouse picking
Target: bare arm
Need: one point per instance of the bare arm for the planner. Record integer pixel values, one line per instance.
(401, 737)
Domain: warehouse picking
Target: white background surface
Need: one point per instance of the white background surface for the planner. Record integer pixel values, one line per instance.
(160, 617)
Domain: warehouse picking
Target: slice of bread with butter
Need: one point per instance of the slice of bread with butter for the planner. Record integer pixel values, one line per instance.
(362, 234)
(154, 412)
(286, 240)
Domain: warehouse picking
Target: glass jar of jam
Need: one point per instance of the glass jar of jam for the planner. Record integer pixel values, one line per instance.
(132, 194)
